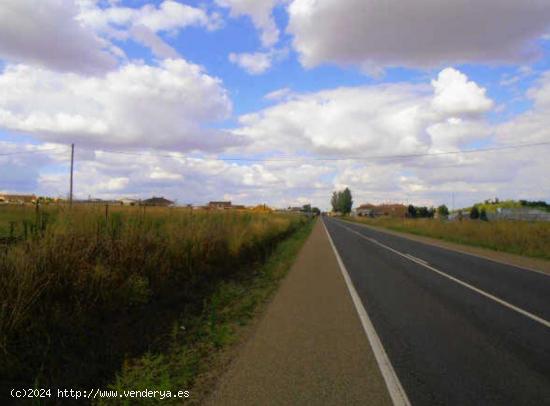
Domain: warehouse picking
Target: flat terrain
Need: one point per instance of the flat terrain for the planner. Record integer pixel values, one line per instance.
(458, 329)
(309, 348)
(521, 261)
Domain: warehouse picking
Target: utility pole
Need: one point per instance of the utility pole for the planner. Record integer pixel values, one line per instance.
(453, 199)
(72, 167)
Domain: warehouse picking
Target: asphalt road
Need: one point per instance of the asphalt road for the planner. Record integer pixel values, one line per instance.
(458, 329)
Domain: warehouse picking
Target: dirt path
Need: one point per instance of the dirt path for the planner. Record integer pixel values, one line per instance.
(310, 347)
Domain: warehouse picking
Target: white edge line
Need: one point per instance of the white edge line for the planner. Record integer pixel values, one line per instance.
(532, 316)
(498, 261)
(396, 391)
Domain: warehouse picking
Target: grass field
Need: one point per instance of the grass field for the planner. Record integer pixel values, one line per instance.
(201, 346)
(82, 290)
(516, 237)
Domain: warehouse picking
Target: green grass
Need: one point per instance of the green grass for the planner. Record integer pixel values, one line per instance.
(196, 344)
(81, 290)
(516, 237)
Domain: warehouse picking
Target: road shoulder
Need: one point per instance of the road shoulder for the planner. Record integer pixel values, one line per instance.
(533, 264)
(310, 347)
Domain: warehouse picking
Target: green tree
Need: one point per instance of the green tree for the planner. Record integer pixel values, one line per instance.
(334, 201)
(443, 211)
(346, 201)
(483, 214)
(316, 211)
(474, 213)
(411, 211)
(423, 212)
(306, 208)
(342, 201)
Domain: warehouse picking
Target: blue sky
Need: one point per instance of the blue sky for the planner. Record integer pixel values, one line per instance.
(205, 81)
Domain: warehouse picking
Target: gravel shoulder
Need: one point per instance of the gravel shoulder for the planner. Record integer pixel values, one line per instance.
(309, 347)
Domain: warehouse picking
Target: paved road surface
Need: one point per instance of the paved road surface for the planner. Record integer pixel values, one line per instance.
(458, 329)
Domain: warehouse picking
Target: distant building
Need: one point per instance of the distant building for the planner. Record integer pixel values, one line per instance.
(157, 201)
(126, 201)
(520, 214)
(17, 199)
(219, 205)
(391, 210)
(364, 210)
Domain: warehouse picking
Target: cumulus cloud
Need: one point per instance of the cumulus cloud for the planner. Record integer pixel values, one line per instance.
(260, 11)
(169, 105)
(422, 33)
(364, 121)
(47, 33)
(454, 94)
(382, 119)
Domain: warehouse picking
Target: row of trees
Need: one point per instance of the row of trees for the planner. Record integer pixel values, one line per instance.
(342, 201)
(426, 212)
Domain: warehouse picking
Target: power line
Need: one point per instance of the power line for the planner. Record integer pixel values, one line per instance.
(305, 158)
(351, 158)
(36, 151)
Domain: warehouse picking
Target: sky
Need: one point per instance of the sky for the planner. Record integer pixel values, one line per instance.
(277, 101)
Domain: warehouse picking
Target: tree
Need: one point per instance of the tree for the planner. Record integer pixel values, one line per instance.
(346, 201)
(423, 212)
(411, 211)
(443, 211)
(474, 213)
(334, 202)
(483, 214)
(342, 201)
(316, 211)
(306, 208)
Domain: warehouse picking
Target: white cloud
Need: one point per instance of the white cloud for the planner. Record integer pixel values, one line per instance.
(364, 121)
(384, 119)
(454, 94)
(169, 105)
(168, 16)
(260, 11)
(144, 24)
(259, 62)
(420, 33)
(534, 124)
(254, 64)
(46, 33)
(279, 94)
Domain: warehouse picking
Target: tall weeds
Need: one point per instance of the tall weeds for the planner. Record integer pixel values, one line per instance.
(517, 237)
(80, 290)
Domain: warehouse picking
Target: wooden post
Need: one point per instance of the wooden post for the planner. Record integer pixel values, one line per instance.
(71, 186)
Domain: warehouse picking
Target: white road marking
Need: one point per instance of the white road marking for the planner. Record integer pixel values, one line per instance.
(417, 259)
(396, 391)
(455, 249)
(532, 316)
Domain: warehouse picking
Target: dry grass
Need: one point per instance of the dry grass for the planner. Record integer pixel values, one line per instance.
(80, 290)
(517, 237)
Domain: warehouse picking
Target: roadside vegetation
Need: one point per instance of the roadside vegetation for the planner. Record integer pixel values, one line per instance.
(516, 237)
(88, 290)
